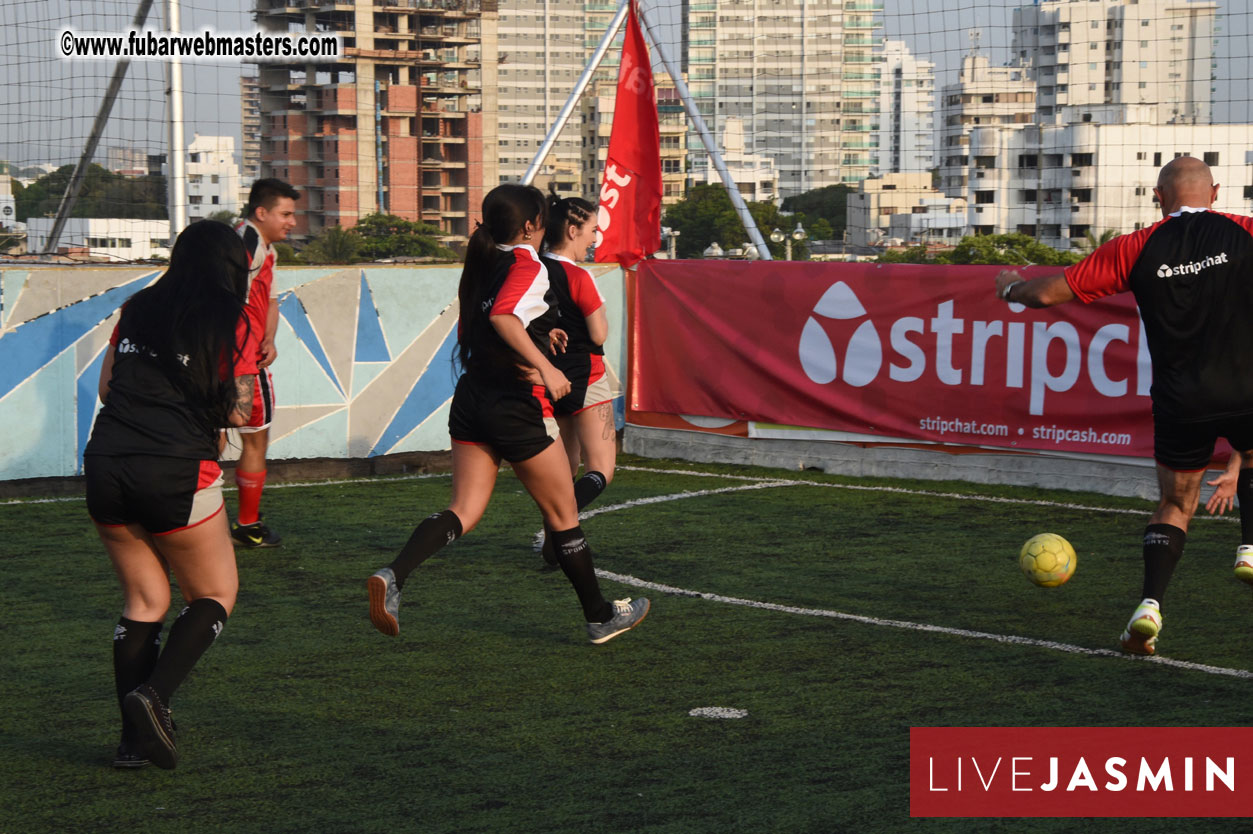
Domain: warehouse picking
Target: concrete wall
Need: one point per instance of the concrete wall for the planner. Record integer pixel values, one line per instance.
(364, 366)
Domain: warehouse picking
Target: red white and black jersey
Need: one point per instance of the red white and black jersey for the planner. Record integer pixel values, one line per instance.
(1192, 277)
(577, 298)
(517, 285)
(146, 413)
(261, 260)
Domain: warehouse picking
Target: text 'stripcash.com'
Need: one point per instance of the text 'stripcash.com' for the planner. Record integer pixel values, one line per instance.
(1081, 771)
(207, 45)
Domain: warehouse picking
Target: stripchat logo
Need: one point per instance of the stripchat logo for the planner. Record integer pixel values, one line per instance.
(1168, 271)
(863, 356)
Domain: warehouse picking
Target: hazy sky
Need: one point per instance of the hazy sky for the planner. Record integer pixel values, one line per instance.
(49, 103)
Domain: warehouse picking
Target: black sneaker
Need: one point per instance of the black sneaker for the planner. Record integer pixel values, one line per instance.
(253, 535)
(128, 757)
(153, 726)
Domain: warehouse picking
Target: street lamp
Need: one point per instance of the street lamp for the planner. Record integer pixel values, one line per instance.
(777, 236)
(671, 241)
(713, 250)
(798, 235)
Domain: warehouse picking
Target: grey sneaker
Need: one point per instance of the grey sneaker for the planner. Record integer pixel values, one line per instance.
(384, 602)
(153, 725)
(627, 614)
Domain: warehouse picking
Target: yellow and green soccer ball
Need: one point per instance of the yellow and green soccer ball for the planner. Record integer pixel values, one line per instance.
(1048, 560)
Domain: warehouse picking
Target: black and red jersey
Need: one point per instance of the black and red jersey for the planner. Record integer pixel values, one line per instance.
(1192, 277)
(577, 298)
(516, 285)
(260, 295)
(146, 413)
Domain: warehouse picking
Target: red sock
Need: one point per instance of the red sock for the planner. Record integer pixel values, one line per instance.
(250, 485)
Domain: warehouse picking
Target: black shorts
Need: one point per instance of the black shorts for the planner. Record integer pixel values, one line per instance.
(592, 382)
(1189, 445)
(162, 495)
(515, 421)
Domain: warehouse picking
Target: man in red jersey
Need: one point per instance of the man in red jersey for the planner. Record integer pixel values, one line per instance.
(1192, 276)
(271, 214)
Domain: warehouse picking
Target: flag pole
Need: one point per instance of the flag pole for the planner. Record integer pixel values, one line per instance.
(733, 191)
(592, 65)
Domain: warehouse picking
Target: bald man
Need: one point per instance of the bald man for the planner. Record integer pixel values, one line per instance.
(1192, 277)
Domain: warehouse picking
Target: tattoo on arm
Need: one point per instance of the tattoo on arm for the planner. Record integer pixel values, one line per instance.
(243, 394)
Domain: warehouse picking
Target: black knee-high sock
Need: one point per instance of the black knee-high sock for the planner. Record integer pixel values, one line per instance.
(587, 488)
(135, 649)
(1163, 545)
(1244, 493)
(575, 556)
(434, 532)
(191, 635)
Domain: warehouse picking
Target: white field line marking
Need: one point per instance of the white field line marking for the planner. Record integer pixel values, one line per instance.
(959, 496)
(875, 621)
(903, 624)
(292, 485)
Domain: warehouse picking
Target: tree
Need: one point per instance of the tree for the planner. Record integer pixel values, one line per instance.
(284, 254)
(102, 194)
(829, 203)
(333, 245)
(388, 236)
(1090, 243)
(821, 230)
(707, 215)
(230, 218)
(1014, 249)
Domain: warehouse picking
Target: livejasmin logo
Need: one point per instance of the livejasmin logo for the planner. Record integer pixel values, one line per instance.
(956, 351)
(1026, 773)
(1079, 772)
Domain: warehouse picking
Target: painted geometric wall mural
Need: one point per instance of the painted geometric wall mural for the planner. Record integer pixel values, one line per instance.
(365, 359)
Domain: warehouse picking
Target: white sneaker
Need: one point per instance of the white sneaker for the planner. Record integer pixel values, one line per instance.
(1140, 636)
(1244, 563)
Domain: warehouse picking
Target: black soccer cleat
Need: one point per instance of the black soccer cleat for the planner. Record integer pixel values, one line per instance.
(254, 535)
(153, 725)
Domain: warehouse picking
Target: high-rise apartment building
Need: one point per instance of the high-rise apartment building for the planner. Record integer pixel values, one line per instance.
(212, 176)
(906, 137)
(1067, 140)
(542, 53)
(250, 134)
(801, 76)
(395, 123)
(672, 127)
(1155, 53)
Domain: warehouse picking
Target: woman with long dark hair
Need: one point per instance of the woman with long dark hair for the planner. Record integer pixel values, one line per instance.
(585, 415)
(502, 409)
(177, 361)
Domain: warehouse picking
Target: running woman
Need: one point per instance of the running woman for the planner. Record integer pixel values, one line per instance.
(1189, 273)
(271, 214)
(180, 365)
(502, 409)
(585, 415)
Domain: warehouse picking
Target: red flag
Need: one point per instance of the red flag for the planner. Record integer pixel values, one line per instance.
(628, 224)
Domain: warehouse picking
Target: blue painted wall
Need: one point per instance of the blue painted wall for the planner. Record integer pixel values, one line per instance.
(364, 365)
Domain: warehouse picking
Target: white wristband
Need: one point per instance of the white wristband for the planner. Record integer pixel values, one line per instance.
(1009, 288)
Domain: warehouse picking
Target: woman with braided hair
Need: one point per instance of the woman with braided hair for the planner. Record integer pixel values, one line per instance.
(585, 415)
(502, 409)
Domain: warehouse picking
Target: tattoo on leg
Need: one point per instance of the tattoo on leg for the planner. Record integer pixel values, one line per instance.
(243, 394)
(606, 416)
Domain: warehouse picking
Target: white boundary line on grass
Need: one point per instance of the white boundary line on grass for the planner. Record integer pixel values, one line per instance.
(763, 483)
(757, 482)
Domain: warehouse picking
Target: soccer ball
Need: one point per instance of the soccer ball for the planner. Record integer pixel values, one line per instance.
(1048, 560)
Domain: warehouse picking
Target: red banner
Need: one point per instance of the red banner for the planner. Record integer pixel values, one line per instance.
(628, 223)
(1080, 771)
(902, 351)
